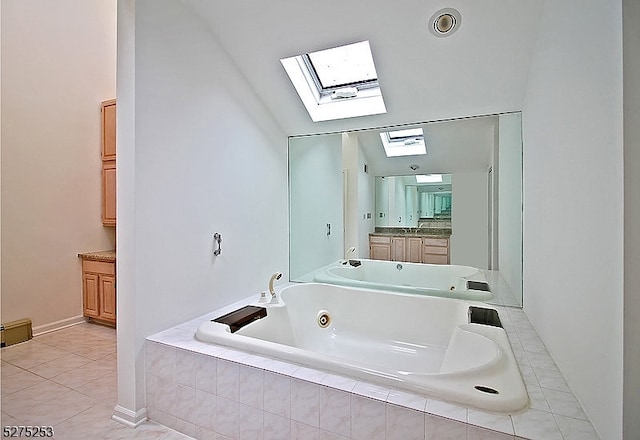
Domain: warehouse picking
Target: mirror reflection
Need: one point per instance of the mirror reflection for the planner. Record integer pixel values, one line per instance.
(444, 223)
(413, 201)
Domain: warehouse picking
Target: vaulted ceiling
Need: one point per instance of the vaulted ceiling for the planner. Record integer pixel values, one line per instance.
(480, 69)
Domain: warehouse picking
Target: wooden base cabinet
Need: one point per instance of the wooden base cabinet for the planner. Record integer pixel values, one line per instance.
(99, 291)
(379, 247)
(397, 248)
(436, 250)
(413, 249)
(430, 250)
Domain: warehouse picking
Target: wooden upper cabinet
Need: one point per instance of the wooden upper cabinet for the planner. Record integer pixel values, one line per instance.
(109, 193)
(108, 113)
(109, 130)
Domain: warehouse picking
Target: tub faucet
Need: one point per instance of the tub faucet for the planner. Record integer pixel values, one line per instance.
(346, 254)
(274, 277)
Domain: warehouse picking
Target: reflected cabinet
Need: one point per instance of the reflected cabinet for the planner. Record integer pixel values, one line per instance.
(432, 250)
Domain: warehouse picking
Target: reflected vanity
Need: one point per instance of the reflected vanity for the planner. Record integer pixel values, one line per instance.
(345, 192)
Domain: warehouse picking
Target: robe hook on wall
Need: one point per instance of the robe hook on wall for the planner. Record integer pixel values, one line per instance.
(218, 238)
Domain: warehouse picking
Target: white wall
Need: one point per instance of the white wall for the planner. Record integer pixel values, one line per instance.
(572, 130)
(316, 194)
(350, 167)
(631, 26)
(58, 64)
(366, 203)
(469, 243)
(360, 196)
(510, 201)
(197, 154)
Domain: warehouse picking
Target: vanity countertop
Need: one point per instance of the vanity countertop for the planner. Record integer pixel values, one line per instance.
(412, 232)
(106, 256)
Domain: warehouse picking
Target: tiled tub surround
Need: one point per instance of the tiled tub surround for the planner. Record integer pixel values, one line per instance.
(209, 391)
(418, 343)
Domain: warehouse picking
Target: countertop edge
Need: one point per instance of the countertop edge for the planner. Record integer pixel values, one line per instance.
(105, 256)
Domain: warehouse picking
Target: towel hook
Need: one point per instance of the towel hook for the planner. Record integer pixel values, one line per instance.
(218, 238)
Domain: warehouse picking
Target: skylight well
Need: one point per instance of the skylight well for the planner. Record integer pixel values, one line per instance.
(337, 83)
(407, 142)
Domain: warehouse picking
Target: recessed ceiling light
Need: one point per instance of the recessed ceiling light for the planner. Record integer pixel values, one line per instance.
(445, 22)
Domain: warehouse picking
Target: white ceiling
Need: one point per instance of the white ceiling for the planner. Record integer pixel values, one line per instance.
(480, 69)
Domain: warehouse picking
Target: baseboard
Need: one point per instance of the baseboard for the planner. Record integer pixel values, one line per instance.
(53, 326)
(129, 418)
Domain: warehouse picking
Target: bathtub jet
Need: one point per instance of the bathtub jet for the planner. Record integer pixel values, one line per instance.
(453, 350)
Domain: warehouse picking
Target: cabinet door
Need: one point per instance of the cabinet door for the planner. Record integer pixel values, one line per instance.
(108, 297)
(91, 295)
(397, 249)
(379, 251)
(414, 249)
(109, 193)
(379, 247)
(109, 130)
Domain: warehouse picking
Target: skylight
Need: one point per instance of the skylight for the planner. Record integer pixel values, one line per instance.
(337, 83)
(407, 142)
(344, 66)
(429, 178)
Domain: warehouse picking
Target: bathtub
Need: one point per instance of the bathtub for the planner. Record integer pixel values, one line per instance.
(421, 344)
(444, 280)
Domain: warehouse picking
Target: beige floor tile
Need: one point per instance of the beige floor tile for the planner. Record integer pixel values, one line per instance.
(57, 410)
(82, 375)
(91, 423)
(18, 403)
(33, 353)
(9, 420)
(7, 369)
(104, 389)
(60, 365)
(19, 381)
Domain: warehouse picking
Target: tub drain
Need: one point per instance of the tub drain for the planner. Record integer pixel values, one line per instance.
(486, 389)
(324, 319)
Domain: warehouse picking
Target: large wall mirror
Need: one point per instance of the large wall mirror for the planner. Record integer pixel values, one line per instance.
(344, 189)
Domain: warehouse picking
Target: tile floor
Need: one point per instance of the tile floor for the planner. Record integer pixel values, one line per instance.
(67, 379)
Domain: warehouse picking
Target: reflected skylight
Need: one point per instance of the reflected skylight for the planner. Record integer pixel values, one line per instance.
(344, 65)
(429, 178)
(407, 142)
(405, 134)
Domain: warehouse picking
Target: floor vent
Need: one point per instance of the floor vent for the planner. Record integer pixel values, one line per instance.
(15, 332)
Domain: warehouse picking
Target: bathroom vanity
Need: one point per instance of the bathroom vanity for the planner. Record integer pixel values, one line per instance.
(412, 245)
(99, 286)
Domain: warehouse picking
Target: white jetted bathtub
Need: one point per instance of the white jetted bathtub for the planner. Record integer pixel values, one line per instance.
(423, 344)
(446, 280)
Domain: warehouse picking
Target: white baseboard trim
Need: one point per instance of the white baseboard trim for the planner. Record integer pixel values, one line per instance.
(129, 418)
(53, 326)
